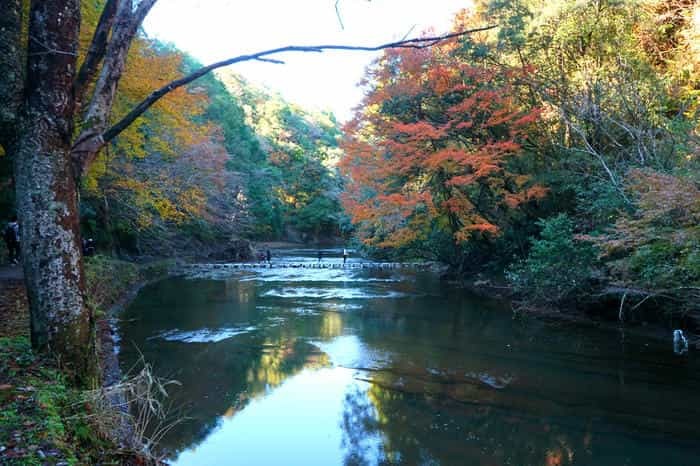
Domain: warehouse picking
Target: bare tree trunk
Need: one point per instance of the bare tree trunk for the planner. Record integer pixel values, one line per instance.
(47, 204)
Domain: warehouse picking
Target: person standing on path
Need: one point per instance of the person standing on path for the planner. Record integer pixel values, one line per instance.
(320, 254)
(268, 255)
(11, 236)
(345, 256)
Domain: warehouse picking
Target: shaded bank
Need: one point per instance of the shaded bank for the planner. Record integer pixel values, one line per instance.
(602, 309)
(43, 419)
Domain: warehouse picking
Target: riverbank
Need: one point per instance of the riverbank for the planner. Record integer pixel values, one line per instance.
(590, 313)
(42, 419)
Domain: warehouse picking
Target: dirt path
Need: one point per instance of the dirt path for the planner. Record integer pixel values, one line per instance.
(10, 272)
(14, 319)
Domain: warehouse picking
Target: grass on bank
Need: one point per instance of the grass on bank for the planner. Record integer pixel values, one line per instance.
(43, 420)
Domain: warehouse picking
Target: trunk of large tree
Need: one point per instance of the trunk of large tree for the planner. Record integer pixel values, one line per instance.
(61, 320)
(47, 204)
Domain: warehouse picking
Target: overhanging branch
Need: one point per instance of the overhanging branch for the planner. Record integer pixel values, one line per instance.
(415, 43)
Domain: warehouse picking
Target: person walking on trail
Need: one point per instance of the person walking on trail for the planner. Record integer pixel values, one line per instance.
(268, 256)
(345, 256)
(11, 236)
(320, 254)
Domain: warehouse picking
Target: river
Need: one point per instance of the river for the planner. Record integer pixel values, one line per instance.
(291, 366)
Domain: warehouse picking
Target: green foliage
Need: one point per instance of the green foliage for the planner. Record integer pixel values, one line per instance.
(598, 204)
(663, 264)
(108, 279)
(657, 245)
(226, 111)
(320, 216)
(265, 207)
(616, 81)
(558, 266)
(39, 411)
(292, 180)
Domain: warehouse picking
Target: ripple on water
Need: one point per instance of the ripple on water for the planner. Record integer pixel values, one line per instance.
(303, 311)
(339, 307)
(206, 273)
(202, 335)
(315, 275)
(275, 321)
(330, 293)
(498, 382)
(285, 274)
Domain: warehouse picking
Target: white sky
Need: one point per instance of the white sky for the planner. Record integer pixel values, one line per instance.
(212, 30)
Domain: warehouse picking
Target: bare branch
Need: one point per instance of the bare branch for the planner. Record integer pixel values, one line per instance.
(415, 43)
(408, 33)
(338, 15)
(126, 24)
(591, 150)
(96, 51)
(621, 315)
(271, 60)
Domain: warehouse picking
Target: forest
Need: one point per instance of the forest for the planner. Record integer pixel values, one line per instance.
(560, 147)
(545, 148)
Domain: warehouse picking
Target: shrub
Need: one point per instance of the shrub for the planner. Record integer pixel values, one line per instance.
(558, 266)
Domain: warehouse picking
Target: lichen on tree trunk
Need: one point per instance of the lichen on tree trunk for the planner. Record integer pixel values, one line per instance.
(47, 204)
(61, 320)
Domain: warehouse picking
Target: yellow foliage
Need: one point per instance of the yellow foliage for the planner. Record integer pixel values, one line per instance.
(150, 66)
(168, 129)
(167, 210)
(192, 201)
(147, 69)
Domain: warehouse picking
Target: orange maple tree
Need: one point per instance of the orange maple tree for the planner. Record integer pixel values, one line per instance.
(430, 148)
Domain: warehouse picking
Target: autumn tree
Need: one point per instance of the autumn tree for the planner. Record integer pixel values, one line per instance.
(617, 83)
(431, 150)
(610, 86)
(55, 119)
(159, 180)
(655, 250)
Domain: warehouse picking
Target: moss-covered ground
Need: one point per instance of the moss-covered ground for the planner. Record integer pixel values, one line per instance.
(43, 420)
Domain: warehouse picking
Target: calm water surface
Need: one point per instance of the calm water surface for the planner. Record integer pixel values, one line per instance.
(353, 367)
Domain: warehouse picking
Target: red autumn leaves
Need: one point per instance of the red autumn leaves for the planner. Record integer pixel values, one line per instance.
(432, 147)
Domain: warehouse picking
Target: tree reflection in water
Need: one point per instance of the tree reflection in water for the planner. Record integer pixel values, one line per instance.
(248, 377)
(390, 427)
(362, 434)
(439, 378)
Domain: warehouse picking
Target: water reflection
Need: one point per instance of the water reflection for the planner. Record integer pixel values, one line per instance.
(401, 371)
(281, 360)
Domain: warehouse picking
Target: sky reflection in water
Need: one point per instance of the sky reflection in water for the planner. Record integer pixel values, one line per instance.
(326, 367)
